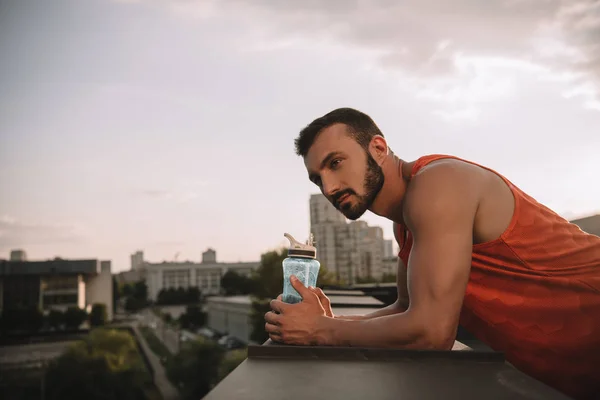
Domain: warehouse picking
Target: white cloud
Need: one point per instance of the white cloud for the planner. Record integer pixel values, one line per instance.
(464, 51)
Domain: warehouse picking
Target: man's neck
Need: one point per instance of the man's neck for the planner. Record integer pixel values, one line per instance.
(388, 203)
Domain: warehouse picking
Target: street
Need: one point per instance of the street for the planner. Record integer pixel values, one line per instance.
(168, 335)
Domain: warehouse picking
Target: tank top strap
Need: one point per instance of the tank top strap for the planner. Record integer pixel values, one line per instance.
(423, 161)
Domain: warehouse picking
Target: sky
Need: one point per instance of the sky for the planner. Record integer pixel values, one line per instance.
(168, 126)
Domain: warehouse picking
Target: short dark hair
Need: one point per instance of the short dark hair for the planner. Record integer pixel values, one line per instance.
(360, 127)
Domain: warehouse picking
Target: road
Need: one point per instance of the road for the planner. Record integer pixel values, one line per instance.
(168, 335)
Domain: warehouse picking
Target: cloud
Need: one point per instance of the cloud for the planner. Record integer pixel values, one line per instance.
(442, 48)
(14, 232)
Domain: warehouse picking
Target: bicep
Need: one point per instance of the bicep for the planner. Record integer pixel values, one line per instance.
(439, 267)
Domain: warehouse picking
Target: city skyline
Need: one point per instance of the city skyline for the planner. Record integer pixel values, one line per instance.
(168, 126)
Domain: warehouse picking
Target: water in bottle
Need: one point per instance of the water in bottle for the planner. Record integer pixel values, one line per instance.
(302, 263)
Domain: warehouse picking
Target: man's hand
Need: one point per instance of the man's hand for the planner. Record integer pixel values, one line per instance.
(300, 323)
(325, 302)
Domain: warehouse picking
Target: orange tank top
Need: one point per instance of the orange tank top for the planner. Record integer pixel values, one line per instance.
(534, 294)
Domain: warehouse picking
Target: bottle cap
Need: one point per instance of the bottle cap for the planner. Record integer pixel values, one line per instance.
(298, 249)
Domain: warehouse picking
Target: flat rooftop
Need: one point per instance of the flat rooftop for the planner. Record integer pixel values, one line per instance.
(49, 267)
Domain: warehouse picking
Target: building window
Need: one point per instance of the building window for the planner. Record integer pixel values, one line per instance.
(176, 279)
(215, 280)
(60, 299)
(67, 282)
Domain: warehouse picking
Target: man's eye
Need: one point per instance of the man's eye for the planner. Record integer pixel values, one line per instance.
(335, 163)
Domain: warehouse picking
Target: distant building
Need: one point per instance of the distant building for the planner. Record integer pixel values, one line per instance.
(390, 266)
(322, 211)
(18, 255)
(137, 260)
(352, 251)
(209, 257)
(132, 276)
(56, 284)
(589, 224)
(388, 248)
(206, 275)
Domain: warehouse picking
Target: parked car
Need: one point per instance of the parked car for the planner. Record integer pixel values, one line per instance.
(231, 342)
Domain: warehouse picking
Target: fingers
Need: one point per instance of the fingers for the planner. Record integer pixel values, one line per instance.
(278, 306)
(302, 290)
(322, 297)
(272, 318)
(324, 300)
(280, 297)
(272, 326)
(273, 331)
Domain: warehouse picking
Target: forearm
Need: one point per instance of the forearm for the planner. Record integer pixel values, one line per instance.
(389, 310)
(401, 330)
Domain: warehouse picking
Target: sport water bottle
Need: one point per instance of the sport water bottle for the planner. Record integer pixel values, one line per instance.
(302, 263)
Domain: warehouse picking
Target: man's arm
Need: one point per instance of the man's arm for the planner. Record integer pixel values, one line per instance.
(400, 305)
(440, 208)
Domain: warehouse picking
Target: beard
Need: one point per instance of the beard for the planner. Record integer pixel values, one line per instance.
(372, 185)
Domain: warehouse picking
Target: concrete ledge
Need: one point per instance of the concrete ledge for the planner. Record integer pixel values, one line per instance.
(460, 351)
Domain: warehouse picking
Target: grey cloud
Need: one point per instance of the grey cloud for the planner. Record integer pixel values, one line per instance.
(422, 37)
(581, 22)
(19, 233)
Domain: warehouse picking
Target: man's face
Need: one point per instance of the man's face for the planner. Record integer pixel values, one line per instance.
(346, 174)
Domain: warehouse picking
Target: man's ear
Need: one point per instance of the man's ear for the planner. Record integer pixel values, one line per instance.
(378, 148)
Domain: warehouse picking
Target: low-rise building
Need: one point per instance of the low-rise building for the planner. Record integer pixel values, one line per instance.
(205, 275)
(56, 284)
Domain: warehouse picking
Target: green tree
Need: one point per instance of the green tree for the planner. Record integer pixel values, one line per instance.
(193, 295)
(127, 290)
(55, 319)
(233, 283)
(98, 315)
(74, 317)
(195, 369)
(172, 296)
(105, 365)
(140, 291)
(193, 318)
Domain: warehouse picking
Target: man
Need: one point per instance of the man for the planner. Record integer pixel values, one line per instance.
(474, 249)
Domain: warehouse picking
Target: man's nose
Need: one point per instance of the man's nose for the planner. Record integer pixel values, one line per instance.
(330, 187)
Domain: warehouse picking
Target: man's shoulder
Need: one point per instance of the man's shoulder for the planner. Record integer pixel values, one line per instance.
(446, 175)
(443, 186)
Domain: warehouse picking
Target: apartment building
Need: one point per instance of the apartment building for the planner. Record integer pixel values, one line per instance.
(353, 251)
(205, 275)
(56, 284)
